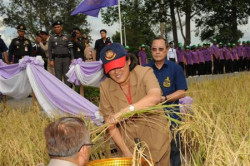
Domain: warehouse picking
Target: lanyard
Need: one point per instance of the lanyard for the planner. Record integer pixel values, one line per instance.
(129, 97)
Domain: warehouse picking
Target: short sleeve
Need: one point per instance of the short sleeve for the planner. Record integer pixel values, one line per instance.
(149, 80)
(3, 46)
(180, 80)
(105, 107)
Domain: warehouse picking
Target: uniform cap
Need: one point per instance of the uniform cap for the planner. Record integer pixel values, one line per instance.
(113, 56)
(180, 44)
(127, 47)
(220, 43)
(215, 40)
(143, 46)
(58, 22)
(187, 47)
(21, 27)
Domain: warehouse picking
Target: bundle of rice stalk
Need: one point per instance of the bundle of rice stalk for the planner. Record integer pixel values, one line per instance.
(217, 132)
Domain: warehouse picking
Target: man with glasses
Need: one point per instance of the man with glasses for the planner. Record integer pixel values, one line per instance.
(173, 85)
(68, 142)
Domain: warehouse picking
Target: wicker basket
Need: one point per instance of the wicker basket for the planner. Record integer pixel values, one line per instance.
(115, 162)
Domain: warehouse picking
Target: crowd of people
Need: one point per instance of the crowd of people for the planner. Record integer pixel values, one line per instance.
(218, 58)
(128, 87)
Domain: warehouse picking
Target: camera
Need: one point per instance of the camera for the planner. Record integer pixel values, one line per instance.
(73, 34)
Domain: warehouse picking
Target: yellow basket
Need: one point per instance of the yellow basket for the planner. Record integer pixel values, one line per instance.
(115, 162)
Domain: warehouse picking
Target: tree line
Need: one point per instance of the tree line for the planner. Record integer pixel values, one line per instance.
(143, 19)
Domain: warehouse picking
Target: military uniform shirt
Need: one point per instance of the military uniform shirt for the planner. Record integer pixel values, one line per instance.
(3, 47)
(19, 47)
(58, 46)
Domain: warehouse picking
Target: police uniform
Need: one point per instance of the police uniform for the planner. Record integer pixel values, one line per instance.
(3, 48)
(60, 51)
(19, 47)
(78, 49)
(171, 78)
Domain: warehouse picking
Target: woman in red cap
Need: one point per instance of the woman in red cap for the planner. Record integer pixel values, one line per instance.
(129, 87)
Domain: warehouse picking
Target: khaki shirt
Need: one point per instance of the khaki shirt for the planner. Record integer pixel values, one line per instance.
(151, 128)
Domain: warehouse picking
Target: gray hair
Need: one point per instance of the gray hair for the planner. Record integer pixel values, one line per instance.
(66, 136)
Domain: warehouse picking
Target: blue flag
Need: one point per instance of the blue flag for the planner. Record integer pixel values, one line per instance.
(93, 7)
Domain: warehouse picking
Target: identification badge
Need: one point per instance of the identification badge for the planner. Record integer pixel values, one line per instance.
(166, 82)
(56, 43)
(26, 49)
(78, 49)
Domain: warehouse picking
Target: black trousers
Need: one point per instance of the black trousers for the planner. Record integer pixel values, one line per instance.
(240, 64)
(172, 59)
(201, 69)
(182, 65)
(216, 66)
(175, 156)
(189, 70)
(235, 65)
(221, 66)
(195, 69)
(208, 67)
(228, 66)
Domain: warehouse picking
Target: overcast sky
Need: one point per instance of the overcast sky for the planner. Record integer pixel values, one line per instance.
(96, 25)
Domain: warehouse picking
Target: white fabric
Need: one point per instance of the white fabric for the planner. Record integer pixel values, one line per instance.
(47, 106)
(172, 54)
(17, 87)
(89, 80)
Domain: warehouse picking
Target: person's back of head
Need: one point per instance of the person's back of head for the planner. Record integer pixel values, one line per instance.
(68, 139)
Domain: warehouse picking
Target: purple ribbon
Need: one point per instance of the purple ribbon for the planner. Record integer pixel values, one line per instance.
(30, 60)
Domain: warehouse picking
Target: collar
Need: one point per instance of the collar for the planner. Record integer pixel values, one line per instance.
(152, 63)
(55, 162)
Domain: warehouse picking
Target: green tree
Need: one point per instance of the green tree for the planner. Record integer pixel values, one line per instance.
(221, 19)
(139, 22)
(37, 15)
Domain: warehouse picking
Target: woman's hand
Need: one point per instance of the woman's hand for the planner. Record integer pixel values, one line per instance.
(127, 154)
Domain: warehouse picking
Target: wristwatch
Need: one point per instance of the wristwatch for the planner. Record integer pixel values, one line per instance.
(131, 108)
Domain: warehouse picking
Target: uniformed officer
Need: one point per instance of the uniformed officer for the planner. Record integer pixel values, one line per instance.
(78, 44)
(19, 46)
(60, 52)
(3, 51)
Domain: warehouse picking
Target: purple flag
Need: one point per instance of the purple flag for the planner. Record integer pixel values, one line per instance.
(92, 7)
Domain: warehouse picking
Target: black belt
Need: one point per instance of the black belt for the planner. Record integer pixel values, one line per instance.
(61, 55)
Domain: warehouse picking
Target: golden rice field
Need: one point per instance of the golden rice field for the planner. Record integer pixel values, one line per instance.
(215, 132)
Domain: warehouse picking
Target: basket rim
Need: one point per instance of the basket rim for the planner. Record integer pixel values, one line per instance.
(110, 159)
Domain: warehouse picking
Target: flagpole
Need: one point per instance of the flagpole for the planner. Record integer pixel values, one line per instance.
(120, 20)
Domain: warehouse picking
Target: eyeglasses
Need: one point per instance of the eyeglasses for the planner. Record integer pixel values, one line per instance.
(51, 155)
(85, 145)
(155, 49)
